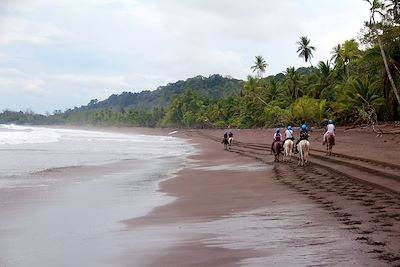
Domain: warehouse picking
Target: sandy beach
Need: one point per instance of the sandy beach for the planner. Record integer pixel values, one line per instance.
(238, 207)
(233, 207)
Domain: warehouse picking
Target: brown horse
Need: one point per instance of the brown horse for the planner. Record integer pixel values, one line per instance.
(277, 150)
(225, 142)
(330, 142)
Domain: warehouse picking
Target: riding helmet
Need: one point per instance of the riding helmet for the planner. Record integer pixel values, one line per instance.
(289, 127)
(278, 130)
(330, 121)
(303, 127)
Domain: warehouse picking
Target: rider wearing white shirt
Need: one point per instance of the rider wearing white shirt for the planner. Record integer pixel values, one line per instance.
(289, 133)
(330, 129)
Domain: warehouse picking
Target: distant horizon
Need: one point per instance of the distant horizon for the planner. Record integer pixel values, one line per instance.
(129, 91)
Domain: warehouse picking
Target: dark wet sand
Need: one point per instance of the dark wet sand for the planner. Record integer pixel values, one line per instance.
(277, 216)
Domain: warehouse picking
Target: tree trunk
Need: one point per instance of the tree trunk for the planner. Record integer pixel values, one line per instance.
(387, 67)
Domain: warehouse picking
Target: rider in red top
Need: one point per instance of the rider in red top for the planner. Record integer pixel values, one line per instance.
(277, 138)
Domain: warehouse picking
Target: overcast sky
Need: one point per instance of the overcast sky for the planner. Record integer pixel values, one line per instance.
(57, 54)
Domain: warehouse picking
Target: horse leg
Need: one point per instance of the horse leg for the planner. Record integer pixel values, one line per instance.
(305, 157)
(300, 157)
(285, 153)
(327, 148)
(329, 145)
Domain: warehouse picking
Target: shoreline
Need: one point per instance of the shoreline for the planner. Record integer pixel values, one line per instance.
(239, 208)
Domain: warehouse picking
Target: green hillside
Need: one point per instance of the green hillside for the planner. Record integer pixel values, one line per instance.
(213, 87)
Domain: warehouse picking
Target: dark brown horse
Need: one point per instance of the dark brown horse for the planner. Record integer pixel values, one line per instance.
(277, 150)
(225, 142)
(330, 142)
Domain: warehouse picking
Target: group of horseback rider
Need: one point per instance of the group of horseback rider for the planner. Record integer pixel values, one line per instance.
(330, 130)
(228, 136)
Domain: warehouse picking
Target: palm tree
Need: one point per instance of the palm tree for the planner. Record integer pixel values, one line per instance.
(376, 8)
(322, 80)
(292, 80)
(349, 51)
(363, 96)
(336, 54)
(305, 49)
(394, 10)
(251, 86)
(260, 65)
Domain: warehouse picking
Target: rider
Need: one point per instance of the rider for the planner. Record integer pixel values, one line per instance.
(330, 129)
(277, 138)
(288, 134)
(225, 139)
(230, 134)
(230, 137)
(303, 136)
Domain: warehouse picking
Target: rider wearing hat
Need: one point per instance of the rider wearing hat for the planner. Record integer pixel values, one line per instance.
(288, 134)
(330, 129)
(277, 138)
(303, 136)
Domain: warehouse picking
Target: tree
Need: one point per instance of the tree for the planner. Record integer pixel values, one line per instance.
(308, 109)
(251, 86)
(292, 81)
(305, 49)
(336, 54)
(360, 99)
(322, 81)
(260, 65)
(378, 7)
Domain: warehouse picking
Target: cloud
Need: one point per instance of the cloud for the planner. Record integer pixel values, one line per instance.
(60, 90)
(14, 29)
(66, 52)
(13, 81)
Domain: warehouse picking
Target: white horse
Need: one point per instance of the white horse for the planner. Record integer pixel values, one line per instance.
(288, 148)
(230, 142)
(303, 147)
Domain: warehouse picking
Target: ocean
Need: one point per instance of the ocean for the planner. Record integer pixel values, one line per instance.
(64, 193)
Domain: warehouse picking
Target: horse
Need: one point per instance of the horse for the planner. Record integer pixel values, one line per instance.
(330, 142)
(288, 148)
(277, 150)
(225, 142)
(303, 147)
(230, 142)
